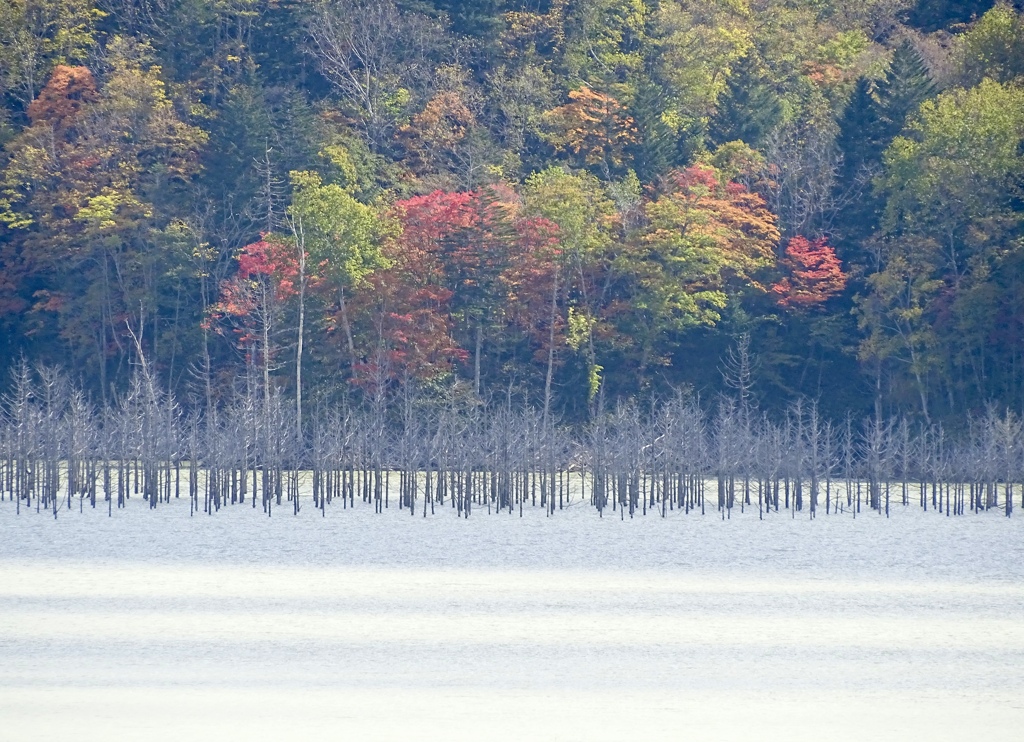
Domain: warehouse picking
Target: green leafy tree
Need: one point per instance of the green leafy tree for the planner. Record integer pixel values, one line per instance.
(586, 219)
(958, 166)
(992, 48)
(604, 44)
(336, 238)
(952, 187)
(702, 242)
(698, 48)
(38, 35)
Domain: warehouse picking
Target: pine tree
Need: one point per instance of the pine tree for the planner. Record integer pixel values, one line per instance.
(878, 111)
(861, 142)
(749, 111)
(654, 153)
(858, 129)
(874, 116)
(905, 87)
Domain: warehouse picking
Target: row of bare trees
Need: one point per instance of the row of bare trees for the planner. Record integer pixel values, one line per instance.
(422, 453)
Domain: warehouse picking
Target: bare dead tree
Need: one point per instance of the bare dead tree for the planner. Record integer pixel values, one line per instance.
(804, 163)
(471, 455)
(371, 51)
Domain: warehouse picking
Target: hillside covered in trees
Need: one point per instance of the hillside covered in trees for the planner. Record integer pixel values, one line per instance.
(559, 203)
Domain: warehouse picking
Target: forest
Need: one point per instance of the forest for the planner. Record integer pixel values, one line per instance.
(550, 205)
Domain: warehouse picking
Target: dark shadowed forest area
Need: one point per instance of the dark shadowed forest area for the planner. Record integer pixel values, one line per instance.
(547, 205)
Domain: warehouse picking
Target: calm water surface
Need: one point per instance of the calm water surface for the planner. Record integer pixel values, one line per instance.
(158, 626)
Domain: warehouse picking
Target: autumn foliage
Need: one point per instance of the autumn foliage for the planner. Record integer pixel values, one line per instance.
(716, 231)
(266, 278)
(407, 303)
(593, 126)
(814, 274)
(272, 258)
(738, 220)
(539, 200)
(65, 94)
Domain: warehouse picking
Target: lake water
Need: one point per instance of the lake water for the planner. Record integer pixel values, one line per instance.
(154, 625)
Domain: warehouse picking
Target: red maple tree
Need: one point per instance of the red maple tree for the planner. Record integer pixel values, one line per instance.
(407, 303)
(534, 287)
(267, 272)
(814, 274)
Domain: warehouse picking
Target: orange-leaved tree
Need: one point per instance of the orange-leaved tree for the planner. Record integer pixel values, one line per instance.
(593, 126)
(702, 242)
(813, 274)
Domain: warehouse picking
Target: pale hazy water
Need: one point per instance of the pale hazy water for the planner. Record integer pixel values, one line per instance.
(155, 626)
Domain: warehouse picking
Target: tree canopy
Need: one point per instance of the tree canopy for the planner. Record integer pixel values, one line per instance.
(566, 202)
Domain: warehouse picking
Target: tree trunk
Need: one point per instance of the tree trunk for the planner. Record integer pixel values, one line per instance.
(347, 326)
(300, 243)
(476, 355)
(551, 350)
